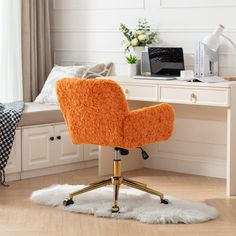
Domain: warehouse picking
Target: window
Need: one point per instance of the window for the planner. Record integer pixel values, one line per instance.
(10, 51)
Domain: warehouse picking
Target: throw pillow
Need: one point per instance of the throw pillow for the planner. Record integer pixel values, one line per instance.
(98, 70)
(48, 92)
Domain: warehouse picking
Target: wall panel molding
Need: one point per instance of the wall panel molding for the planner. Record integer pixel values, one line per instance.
(121, 51)
(85, 5)
(188, 164)
(90, 51)
(112, 52)
(166, 4)
(192, 157)
(202, 152)
(75, 62)
(65, 56)
(160, 30)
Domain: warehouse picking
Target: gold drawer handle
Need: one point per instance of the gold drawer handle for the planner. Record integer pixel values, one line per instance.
(126, 91)
(193, 97)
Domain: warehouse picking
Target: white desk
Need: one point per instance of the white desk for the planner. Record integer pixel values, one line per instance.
(177, 92)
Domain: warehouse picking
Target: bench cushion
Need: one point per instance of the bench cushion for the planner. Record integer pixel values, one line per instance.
(35, 114)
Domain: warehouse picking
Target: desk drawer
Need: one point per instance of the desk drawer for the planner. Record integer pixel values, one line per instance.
(194, 95)
(140, 92)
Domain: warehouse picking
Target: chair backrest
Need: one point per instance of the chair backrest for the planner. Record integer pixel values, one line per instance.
(94, 110)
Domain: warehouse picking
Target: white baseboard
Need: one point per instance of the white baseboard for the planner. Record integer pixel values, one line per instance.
(58, 169)
(51, 170)
(211, 168)
(12, 177)
(195, 166)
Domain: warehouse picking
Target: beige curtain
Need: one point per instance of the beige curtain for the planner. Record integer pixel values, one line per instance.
(36, 46)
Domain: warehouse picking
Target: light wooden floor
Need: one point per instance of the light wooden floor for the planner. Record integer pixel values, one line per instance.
(18, 216)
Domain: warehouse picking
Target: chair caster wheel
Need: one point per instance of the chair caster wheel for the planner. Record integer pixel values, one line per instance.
(115, 209)
(164, 201)
(68, 201)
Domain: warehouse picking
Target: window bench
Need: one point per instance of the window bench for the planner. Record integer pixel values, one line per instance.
(42, 145)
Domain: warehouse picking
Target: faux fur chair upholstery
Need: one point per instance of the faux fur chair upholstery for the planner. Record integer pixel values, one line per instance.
(96, 112)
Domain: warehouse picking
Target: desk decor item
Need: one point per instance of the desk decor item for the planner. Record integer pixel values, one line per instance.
(207, 53)
(132, 66)
(133, 205)
(138, 39)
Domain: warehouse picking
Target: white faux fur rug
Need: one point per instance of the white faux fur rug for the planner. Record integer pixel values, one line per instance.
(134, 204)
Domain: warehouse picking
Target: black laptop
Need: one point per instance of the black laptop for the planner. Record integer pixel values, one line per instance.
(165, 63)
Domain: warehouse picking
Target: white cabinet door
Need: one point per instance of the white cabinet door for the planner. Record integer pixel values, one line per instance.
(65, 151)
(14, 161)
(37, 147)
(91, 152)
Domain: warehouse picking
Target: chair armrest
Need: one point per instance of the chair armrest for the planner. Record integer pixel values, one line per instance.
(148, 125)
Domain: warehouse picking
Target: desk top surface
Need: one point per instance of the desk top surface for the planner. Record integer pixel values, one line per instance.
(126, 79)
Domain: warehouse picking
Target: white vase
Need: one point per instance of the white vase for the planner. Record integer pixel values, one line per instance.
(138, 51)
(132, 69)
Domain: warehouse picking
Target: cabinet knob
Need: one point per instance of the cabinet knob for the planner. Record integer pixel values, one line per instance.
(58, 137)
(51, 138)
(193, 97)
(126, 91)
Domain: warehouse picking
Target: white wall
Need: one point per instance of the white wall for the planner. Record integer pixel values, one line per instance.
(86, 31)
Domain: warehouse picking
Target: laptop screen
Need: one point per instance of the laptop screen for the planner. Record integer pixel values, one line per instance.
(166, 61)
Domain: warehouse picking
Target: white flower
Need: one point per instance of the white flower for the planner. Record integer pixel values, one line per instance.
(126, 44)
(134, 42)
(142, 37)
(139, 32)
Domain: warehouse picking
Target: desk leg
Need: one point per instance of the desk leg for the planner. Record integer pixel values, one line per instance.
(231, 148)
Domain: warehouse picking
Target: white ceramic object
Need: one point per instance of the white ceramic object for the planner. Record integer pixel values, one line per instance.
(132, 69)
(186, 74)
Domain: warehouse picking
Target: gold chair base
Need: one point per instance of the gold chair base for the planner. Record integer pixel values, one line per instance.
(116, 181)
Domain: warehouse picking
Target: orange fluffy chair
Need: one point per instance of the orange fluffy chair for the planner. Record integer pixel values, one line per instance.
(96, 112)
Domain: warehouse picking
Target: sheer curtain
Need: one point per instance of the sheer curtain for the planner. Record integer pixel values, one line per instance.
(10, 51)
